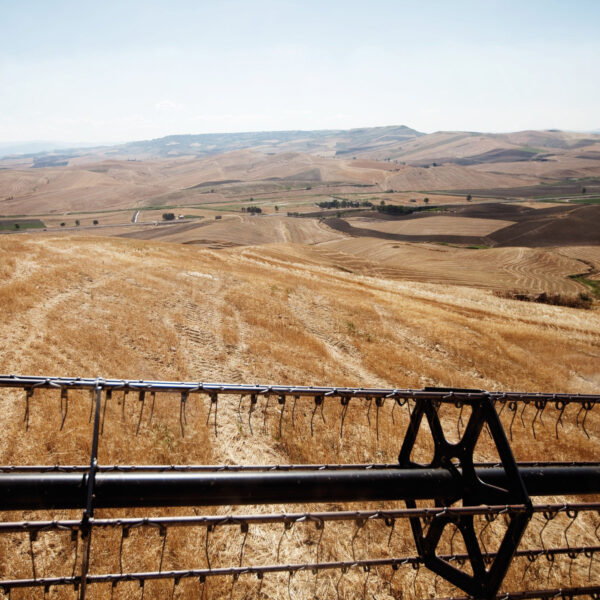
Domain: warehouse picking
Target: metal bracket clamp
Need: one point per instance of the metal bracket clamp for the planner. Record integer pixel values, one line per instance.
(457, 457)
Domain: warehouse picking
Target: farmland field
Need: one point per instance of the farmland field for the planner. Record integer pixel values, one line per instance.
(279, 313)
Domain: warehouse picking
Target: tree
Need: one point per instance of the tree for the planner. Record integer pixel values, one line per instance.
(62, 224)
(17, 226)
(95, 221)
(469, 197)
(426, 200)
(77, 222)
(583, 190)
(276, 208)
(168, 216)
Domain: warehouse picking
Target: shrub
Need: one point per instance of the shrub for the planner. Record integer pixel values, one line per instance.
(581, 300)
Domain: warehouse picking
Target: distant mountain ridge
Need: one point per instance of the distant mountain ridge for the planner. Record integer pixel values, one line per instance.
(397, 143)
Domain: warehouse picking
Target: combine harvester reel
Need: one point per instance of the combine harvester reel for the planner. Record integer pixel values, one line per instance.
(461, 492)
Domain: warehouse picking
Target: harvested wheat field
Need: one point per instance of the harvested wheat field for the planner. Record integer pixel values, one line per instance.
(242, 230)
(126, 308)
(524, 269)
(435, 225)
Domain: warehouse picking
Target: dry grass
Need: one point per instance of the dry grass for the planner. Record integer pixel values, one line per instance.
(122, 308)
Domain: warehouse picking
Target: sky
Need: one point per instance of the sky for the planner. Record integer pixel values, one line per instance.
(120, 70)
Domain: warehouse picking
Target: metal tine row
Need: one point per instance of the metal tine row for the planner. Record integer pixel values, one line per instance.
(540, 406)
(360, 518)
(440, 394)
(548, 511)
(531, 555)
(515, 406)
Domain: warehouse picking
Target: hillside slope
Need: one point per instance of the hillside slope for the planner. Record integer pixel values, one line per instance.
(272, 314)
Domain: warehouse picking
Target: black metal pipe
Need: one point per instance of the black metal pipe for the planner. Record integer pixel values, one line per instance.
(29, 491)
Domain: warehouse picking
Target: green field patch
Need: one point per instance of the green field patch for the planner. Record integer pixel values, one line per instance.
(20, 224)
(592, 284)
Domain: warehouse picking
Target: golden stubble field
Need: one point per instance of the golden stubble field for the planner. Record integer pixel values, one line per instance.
(271, 314)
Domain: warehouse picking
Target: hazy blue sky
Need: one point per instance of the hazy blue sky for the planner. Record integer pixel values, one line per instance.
(115, 70)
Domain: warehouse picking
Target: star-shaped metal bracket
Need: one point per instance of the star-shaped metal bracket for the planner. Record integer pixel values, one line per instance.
(487, 575)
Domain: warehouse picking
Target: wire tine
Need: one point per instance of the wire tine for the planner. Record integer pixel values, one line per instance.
(260, 579)
(142, 586)
(153, 396)
(368, 572)
(28, 395)
(75, 538)
(378, 402)
(164, 531)
(182, 418)
(416, 568)
(359, 525)
(337, 585)
(239, 408)
(370, 401)
(549, 557)
(290, 574)
(391, 580)
(215, 401)
(512, 406)
(32, 538)
(108, 396)
(312, 418)
(480, 536)
(322, 413)
(392, 525)
(125, 392)
(281, 401)
(142, 399)
(92, 397)
(208, 532)
(294, 410)
(245, 530)
(452, 539)
(345, 404)
(530, 561)
(525, 404)
(537, 412)
(124, 534)
(573, 516)
(267, 398)
(233, 582)
(394, 403)
(253, 401)
(560, 406)
(286, 526)
(587, 406)
(321, 526)
(64, 399)
(460, 421)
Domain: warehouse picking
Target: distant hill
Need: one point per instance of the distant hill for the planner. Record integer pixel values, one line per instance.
(549, 153)
(326, 142)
